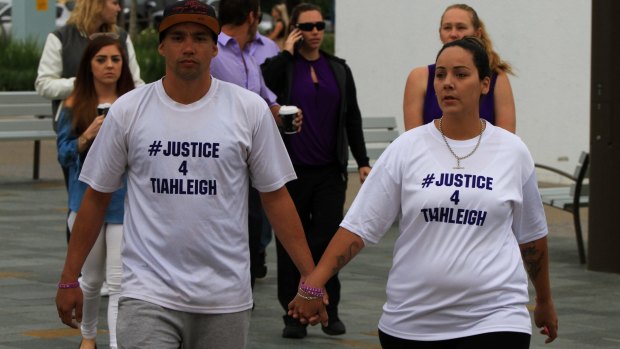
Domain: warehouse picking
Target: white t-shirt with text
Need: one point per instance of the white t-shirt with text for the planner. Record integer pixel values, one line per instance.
(457, 269)
(186, 213)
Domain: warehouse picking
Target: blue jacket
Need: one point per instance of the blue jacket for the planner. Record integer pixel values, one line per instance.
(68, 157)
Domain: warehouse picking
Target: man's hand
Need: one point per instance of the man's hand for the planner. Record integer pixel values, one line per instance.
(67, 301)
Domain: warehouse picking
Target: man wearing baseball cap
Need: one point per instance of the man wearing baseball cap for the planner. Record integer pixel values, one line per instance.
(188, 145)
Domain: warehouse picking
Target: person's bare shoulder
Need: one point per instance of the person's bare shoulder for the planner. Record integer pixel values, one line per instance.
(413, 99)
(419, 73)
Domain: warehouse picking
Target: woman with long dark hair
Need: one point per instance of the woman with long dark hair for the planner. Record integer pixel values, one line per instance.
(103, 76)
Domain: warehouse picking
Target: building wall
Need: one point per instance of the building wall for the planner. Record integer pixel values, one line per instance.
(31, 22)
(547, 42)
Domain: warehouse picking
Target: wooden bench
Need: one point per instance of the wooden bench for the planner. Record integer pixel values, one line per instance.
(379, 132)
(571, 197)
(26, 116)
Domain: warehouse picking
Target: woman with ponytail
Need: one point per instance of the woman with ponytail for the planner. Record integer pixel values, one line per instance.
(498, 107)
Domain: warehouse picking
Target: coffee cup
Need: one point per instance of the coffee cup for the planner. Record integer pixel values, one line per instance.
(102, 109)
(288, 114)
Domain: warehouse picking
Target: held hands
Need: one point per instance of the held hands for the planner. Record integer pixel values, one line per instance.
(291, 40)
(309, 305)
(546, 318)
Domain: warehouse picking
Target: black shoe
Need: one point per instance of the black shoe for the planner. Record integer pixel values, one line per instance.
(261, 268)
(334, 327)
(293, 328)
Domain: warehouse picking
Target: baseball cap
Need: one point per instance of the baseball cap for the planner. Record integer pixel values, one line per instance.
(190, 11)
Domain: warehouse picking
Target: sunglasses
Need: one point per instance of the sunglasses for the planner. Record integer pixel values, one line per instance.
(308, 27)
(114, 36)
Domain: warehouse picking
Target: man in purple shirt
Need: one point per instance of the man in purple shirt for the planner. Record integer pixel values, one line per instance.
(262, 48)
(235, 64)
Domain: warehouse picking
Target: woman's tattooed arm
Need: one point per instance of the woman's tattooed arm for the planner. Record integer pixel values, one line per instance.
(533, 258)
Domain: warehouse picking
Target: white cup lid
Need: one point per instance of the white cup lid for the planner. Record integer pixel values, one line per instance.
(288, 109)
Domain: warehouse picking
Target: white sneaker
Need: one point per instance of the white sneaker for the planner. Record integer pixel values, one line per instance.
(104, 290)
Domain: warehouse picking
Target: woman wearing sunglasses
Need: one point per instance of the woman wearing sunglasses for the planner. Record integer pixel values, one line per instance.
(322, 86)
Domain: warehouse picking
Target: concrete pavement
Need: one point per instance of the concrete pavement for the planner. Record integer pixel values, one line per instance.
(32, 250)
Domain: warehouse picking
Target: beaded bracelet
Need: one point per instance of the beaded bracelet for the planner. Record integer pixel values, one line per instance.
(312, 298)
(313, 291)
(307, 295)
(74, 284)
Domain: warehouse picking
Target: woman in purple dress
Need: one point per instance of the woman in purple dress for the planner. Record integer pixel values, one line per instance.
(497, 106)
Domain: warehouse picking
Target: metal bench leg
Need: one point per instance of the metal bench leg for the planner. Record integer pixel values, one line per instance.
(579, 236)
(36, 159)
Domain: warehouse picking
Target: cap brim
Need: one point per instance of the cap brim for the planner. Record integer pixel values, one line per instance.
(205, 20)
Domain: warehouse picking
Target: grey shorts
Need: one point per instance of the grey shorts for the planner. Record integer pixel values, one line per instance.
(146, 325)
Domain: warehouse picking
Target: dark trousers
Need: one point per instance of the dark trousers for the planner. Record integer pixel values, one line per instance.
(504, 340)
(319, 195)
(255, 227)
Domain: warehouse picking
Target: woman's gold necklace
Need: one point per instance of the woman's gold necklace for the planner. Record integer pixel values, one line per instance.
(459, 158)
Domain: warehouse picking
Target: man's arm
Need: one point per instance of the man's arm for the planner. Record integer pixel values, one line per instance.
(83, 236)
(536, 261)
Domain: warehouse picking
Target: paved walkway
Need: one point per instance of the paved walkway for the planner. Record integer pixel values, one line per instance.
(32, 250)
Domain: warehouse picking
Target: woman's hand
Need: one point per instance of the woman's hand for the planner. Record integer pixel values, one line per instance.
(291, 40)
(299, 119)
(364, 172)
(546, 318)
(87, 137)
(93, 129)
